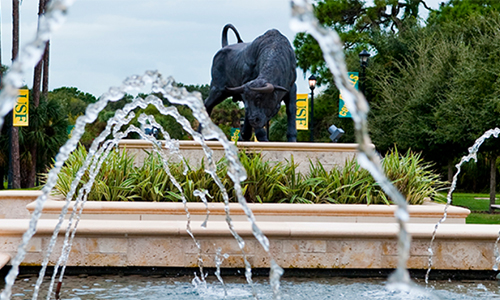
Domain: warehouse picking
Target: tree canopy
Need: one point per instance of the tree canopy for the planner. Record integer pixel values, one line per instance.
(432, 84)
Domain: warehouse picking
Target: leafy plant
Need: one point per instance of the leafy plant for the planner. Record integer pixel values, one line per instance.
(413, 177)
(120, 180)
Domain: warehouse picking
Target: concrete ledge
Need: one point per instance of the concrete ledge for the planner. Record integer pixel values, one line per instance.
(293, 244)
(329, 154)
(4, 259)
(276, 212)
(270, 229)
(13, 203)
(252, 146)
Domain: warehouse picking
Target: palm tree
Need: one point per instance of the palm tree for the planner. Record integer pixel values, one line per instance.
(14, 169)
(42, 64)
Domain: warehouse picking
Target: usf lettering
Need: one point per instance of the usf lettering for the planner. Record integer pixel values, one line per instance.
(21, 109)
(302, 117)
(343, 111)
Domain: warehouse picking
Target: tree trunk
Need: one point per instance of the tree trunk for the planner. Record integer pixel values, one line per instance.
(493, 179)
(45, 75)
(450, 170)
(450, 174)
(15, 178)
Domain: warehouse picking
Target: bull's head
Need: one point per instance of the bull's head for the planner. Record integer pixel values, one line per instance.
(262, 100)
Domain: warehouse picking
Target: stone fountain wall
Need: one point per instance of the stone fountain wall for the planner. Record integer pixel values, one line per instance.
(301, 236)
(328, 154)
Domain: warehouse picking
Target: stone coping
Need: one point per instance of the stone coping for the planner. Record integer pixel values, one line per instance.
(4, 259)
(428, 210)
(19, 194)
(252, 146)
(13, 203)
(302, 230)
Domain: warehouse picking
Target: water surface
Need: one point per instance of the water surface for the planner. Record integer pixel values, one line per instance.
(159, 287)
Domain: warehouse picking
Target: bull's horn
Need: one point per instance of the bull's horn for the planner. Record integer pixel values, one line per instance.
(267, 89)
(238, 89)
(280, 88)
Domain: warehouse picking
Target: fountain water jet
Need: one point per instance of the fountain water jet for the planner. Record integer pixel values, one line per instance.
(472, 155)
(122, 118)
(303, 20)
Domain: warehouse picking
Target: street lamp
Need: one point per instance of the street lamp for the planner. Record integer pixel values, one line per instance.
(312, 85)
(363, 60)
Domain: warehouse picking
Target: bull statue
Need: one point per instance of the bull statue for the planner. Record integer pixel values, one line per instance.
(261, 74)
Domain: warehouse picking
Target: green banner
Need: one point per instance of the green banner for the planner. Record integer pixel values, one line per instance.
(69, 129)
(354, 80)
(235, 134)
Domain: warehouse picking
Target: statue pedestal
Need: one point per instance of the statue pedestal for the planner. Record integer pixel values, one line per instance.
(328, 154)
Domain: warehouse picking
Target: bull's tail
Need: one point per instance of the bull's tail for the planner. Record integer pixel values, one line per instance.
(224, 34)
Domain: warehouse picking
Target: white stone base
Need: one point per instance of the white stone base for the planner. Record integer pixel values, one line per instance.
(292, 244)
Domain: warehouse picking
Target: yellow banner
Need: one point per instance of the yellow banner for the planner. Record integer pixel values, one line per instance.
(21, 109)
(302, 117)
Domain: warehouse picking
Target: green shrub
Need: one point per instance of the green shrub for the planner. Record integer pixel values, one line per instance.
(413, 177)
(120, 180)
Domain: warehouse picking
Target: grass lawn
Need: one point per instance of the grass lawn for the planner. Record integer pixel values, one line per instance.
(479, 208)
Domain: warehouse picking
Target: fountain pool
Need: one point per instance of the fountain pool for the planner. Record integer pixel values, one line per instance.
(182, 287)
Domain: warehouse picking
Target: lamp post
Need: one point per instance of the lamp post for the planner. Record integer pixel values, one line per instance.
(363, 60)
(312, 85)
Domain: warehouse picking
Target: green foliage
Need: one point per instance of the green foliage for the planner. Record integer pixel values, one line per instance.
(72, 101)
(459, 11)
(432, 87)
(278, 127)
(444, 94)
(266, 181)
(68, 172)
(326, 108)
(413, 177)
(47, 130)
(227, 115)
(356, 22)
(114, 181)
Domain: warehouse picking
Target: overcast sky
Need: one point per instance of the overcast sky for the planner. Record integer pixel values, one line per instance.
(105, 41)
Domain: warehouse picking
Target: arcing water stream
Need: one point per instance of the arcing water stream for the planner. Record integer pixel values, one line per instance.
(472, 155)
(303, 20)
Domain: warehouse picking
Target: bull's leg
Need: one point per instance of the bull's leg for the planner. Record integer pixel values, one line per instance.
(291, 112)
(246, 131)
(215, 97)
(261, 134)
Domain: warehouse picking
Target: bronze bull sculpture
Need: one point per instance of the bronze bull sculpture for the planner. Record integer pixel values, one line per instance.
(261, 74)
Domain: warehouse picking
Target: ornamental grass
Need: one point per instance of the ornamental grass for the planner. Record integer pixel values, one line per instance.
(267, 182)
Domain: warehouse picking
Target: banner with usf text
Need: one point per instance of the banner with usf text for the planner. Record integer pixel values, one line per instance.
(343, 111)
(235, 134)
(21, 109)
(302, 117)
